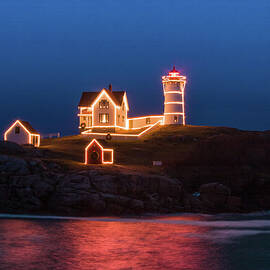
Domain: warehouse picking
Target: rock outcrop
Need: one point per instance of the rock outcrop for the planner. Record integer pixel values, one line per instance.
(214, 196)
(31, 182)
(32, 185)
(10, 148)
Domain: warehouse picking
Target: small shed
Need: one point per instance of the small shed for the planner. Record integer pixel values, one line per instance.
(96, 154)
(22, 132)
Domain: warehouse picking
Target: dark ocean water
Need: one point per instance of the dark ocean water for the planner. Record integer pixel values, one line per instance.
(176, 242)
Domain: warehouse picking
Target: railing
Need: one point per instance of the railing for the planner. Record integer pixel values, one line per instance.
(51, 135)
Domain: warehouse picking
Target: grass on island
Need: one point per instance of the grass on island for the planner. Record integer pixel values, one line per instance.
(163, 143)
(193, 154)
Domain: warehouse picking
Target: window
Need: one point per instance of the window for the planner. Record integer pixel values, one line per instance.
(123, 118)
(17, 130)
(175, 119)
(147, 121)
(104, 118)
(104, 104)
(34, 140)
(118, 118)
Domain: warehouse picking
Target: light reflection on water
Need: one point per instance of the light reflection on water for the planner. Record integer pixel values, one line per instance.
(179, 242)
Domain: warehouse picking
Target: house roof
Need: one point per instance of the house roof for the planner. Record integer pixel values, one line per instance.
(29, 127)
(119, 95)
(88, 98)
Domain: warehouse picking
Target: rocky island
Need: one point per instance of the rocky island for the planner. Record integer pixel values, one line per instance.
(204, 169)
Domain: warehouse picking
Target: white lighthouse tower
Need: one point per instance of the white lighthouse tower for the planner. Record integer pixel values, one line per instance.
(174, 98)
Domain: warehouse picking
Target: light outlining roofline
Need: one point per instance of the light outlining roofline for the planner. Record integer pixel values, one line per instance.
(108, 127)
(127, 109)
(99, 96)
(158, 122)
(115, 116)
(124, 128)
(127, 121)
(148, 116)
(173, 92)
(84, 114)
(82, 107)
(141, 127)
(125, 135)
(102, 152)
(183, 107)
(168, 78)
(173, 102)
(172, 80)
(103, 91)
(29, 133)
(126, 101)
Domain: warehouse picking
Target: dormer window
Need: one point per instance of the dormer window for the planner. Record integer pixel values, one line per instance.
(104, 104)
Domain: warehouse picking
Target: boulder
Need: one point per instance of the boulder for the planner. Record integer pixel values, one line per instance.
(10, 148)
(37, 166)
(74, 182)
(13, 165)
(77, 202)
(214, 196)
(136, 205)
(192, 203)
(24, 181)
(27, 199)
(234, 204)
(3, 194)
(105, 183)
(42, 189)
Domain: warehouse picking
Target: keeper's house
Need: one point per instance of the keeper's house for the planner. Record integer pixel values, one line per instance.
(107, 111)
(22, 132)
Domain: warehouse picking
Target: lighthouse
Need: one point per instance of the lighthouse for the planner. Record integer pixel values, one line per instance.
(174, 98)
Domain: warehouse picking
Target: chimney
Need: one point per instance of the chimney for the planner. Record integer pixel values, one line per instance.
(110, 87)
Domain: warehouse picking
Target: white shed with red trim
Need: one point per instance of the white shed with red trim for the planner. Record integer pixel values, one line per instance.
(22, 132)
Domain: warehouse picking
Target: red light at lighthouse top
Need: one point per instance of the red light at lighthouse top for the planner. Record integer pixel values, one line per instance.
(174, 72)
(174, 75)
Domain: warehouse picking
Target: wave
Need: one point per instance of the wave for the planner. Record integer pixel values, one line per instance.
(174, 220)
(225, 236)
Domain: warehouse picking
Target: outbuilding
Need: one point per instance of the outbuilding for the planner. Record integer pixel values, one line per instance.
(22, 132)
(96, 154)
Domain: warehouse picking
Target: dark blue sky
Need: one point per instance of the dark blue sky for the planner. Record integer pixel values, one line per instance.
(51, 51)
